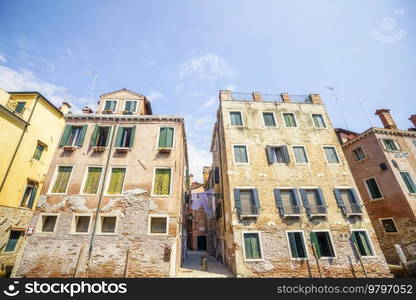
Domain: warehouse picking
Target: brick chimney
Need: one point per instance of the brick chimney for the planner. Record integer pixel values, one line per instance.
(257, 97)
(225, 95)
(413, 120)
(87, 110)
(315, 98)
(386, 119)
(65, 107)
(285, 97)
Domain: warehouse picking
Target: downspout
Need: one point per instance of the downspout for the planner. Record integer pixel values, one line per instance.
(18, 144)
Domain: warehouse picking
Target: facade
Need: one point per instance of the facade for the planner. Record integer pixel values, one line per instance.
(383, 162)
(288, 205)
(111, 205)
(27, 150)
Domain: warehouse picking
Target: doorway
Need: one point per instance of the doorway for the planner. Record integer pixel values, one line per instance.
(202, 243)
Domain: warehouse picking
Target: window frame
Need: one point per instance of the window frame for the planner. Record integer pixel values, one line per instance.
(153, 182)
(394, 222)
(395, 143)
(158, 136)
(251, 188)
(74, 223)
(131, 100)
(323, 119)
(115, 108)
(365, 154)
(330, 239)
(370, 242)
(55, 175)
(107, 184)
(247, 152)
(294, 156)
(304, 244)
(293, 190)
(45, 147)
(122, 127)
(18, 242)
(336, 152)
(244, 247)
(315, 188)
(274, 118)
(149, 224)
(294, 117)
(368, 189)
(84, 180)
(40, 223)
(241, 115)
(99, 224)
(404, 183)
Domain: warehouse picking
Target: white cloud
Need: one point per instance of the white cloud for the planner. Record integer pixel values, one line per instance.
(155, 95)
(2, 58)
(197, 160)
(209, 66)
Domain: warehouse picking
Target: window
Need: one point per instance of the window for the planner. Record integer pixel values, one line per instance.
(318, 121)
(166, 138)
(321, 240)
(62, 179)
(389, 225)
(92, 181)
(12, 241)
(347, 200)
(268, 118)
(108, 224)
(235, 118)
(287, 201)
(331, 155)
(358, 154)
(216, 175)
(130, 106)
(247, 202)
(278, 154)
(162, 182)
(82, 224)
(362, 242)
(110, 105)
(252, 247)
(125, 137)
(73, 136)
(390, 145)
(29, 195)
(20, 107)
(48, 223)
(38, 151)
(373, 188)
(100, 136)
(296, 244)
(158, 225)
(313, 201)
(408, 180)
(116, 181)
(290, 120)
(240, 154)
(300, 155)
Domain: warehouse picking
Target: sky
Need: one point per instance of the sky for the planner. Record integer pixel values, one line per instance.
(181, 53)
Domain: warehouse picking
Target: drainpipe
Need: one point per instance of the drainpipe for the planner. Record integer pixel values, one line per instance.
(18, 144)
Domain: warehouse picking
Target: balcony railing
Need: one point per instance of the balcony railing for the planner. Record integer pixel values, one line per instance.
(14, 106)
(351, 209)
(289, 210)
(248, 211)
(316, 210)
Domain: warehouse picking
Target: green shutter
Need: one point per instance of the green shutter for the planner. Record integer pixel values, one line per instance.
(162, 137)
(82, 135)
(65, 135)
(32, 197)
(116, 181)
(93, 180)
(119, 136)
(161, 185)
(169, 137)
(247, 246)
(133, 132)
(62, 179)
(93, 141)
(12, 242)
(314, 241)
(107, 105)
(292, 243)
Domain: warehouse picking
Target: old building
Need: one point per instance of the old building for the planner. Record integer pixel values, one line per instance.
(27, 149)
(111, 202)
(289, 205)
(383, 162)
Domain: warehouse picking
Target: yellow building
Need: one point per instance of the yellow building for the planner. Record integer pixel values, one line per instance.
(30, 127)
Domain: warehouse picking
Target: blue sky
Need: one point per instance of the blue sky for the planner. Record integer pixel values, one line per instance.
(181, 53)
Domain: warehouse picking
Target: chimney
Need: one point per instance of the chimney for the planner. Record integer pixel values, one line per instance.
(315, 98)
(87, 110)
(225, 95)
(257, 97)
(65, 107)
(413, 120)
(285, 97)
(386, 119)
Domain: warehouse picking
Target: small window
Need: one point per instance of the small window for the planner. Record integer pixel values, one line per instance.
(290, 120)
(277, 154)
(48, 223)
(358, 154)
(116, 181)
(331, 155)
(110, 105)
(252, 247)
(300, 155)
(12, 241)
(321, 240)
(29, 195)
(318, 121)
(297, 244)
(390, 145)
(362, 242)
(235, 118)
(158, 225)
(389, 226)
(82, 224)
(166, 138)
(162, 181)
(125, 136)
(130, 106)
(92, 181)
(373, 188)
(409, 182)
(62, 179)
(268, 118)
(20, 107)
(38, 151)
(108, 224)
(240, 154)
(101, 136)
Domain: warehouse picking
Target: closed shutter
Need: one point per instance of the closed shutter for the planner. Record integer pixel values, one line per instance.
(296, 197)
(292, 243)
(65, 135)
(116, 181)
(12, 242)
(278, 201)
(169, 137)
(355, 200)
(269, 153)
(32, 197)
(256, 201)
(321, 200)
(285, 154)
(133, 133)
(315, 243)
(162, 138)
(162, 182)
(93, 141)
(339, 200)
(304, 198)
(217, 175)
(93, 180)
(119, 136)
(237, 201)
(82, 135)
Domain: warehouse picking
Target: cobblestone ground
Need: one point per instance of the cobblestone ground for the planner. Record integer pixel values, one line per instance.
(191, 267)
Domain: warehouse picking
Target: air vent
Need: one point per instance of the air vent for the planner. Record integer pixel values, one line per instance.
(383, 166)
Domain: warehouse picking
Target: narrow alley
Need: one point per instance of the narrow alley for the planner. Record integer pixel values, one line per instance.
(192, 268)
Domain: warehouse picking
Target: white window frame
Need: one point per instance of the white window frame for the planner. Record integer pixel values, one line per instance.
(332, 243)
(294, 116)
(323, 118)
(153, 182)
(316, 189)
(394, 222)
(294, 156)
(365, 154)
(370, 241)
(244, 247)
(107, 184)
(394, 141)
(40, 223)
(132, 100)
(56, 175)
(274, 117)
(404, 183)
(84, 180)
(74, 223)
(369, 192)
(117, 103)
(245, 188)
(173, 137)
(336, 151)
(149, 224)
(229, 117)
(248, 155)
(100, 220)
(304, 244)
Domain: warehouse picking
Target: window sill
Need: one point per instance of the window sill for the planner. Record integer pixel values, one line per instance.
(363, 159)
(317, 215)
(161, 196)
(70, 148)
(99, 148)
(254, 260)
(328, 257)
(377, 199)
(122, 149)
(158, 234)
(165, 150)
(354, 214)
(291, 216)
(248, 216)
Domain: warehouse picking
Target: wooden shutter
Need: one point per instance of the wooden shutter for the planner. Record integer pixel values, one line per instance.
(65, 135)
(285, 154)
(107, 141)
(237, 201)
(32, 197)
(355, 199)
(133, 132)
(162, 137)
(82, 135)
(278, 201)
(314, 241)
(296, 197)
(119, 136)
(217, 175)
(93, 141)
(292, 243)
(256, 201)
(339, 200)
(321, 199)
(12, 242)
(269, 153)
(169, 137)
(304, 198)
